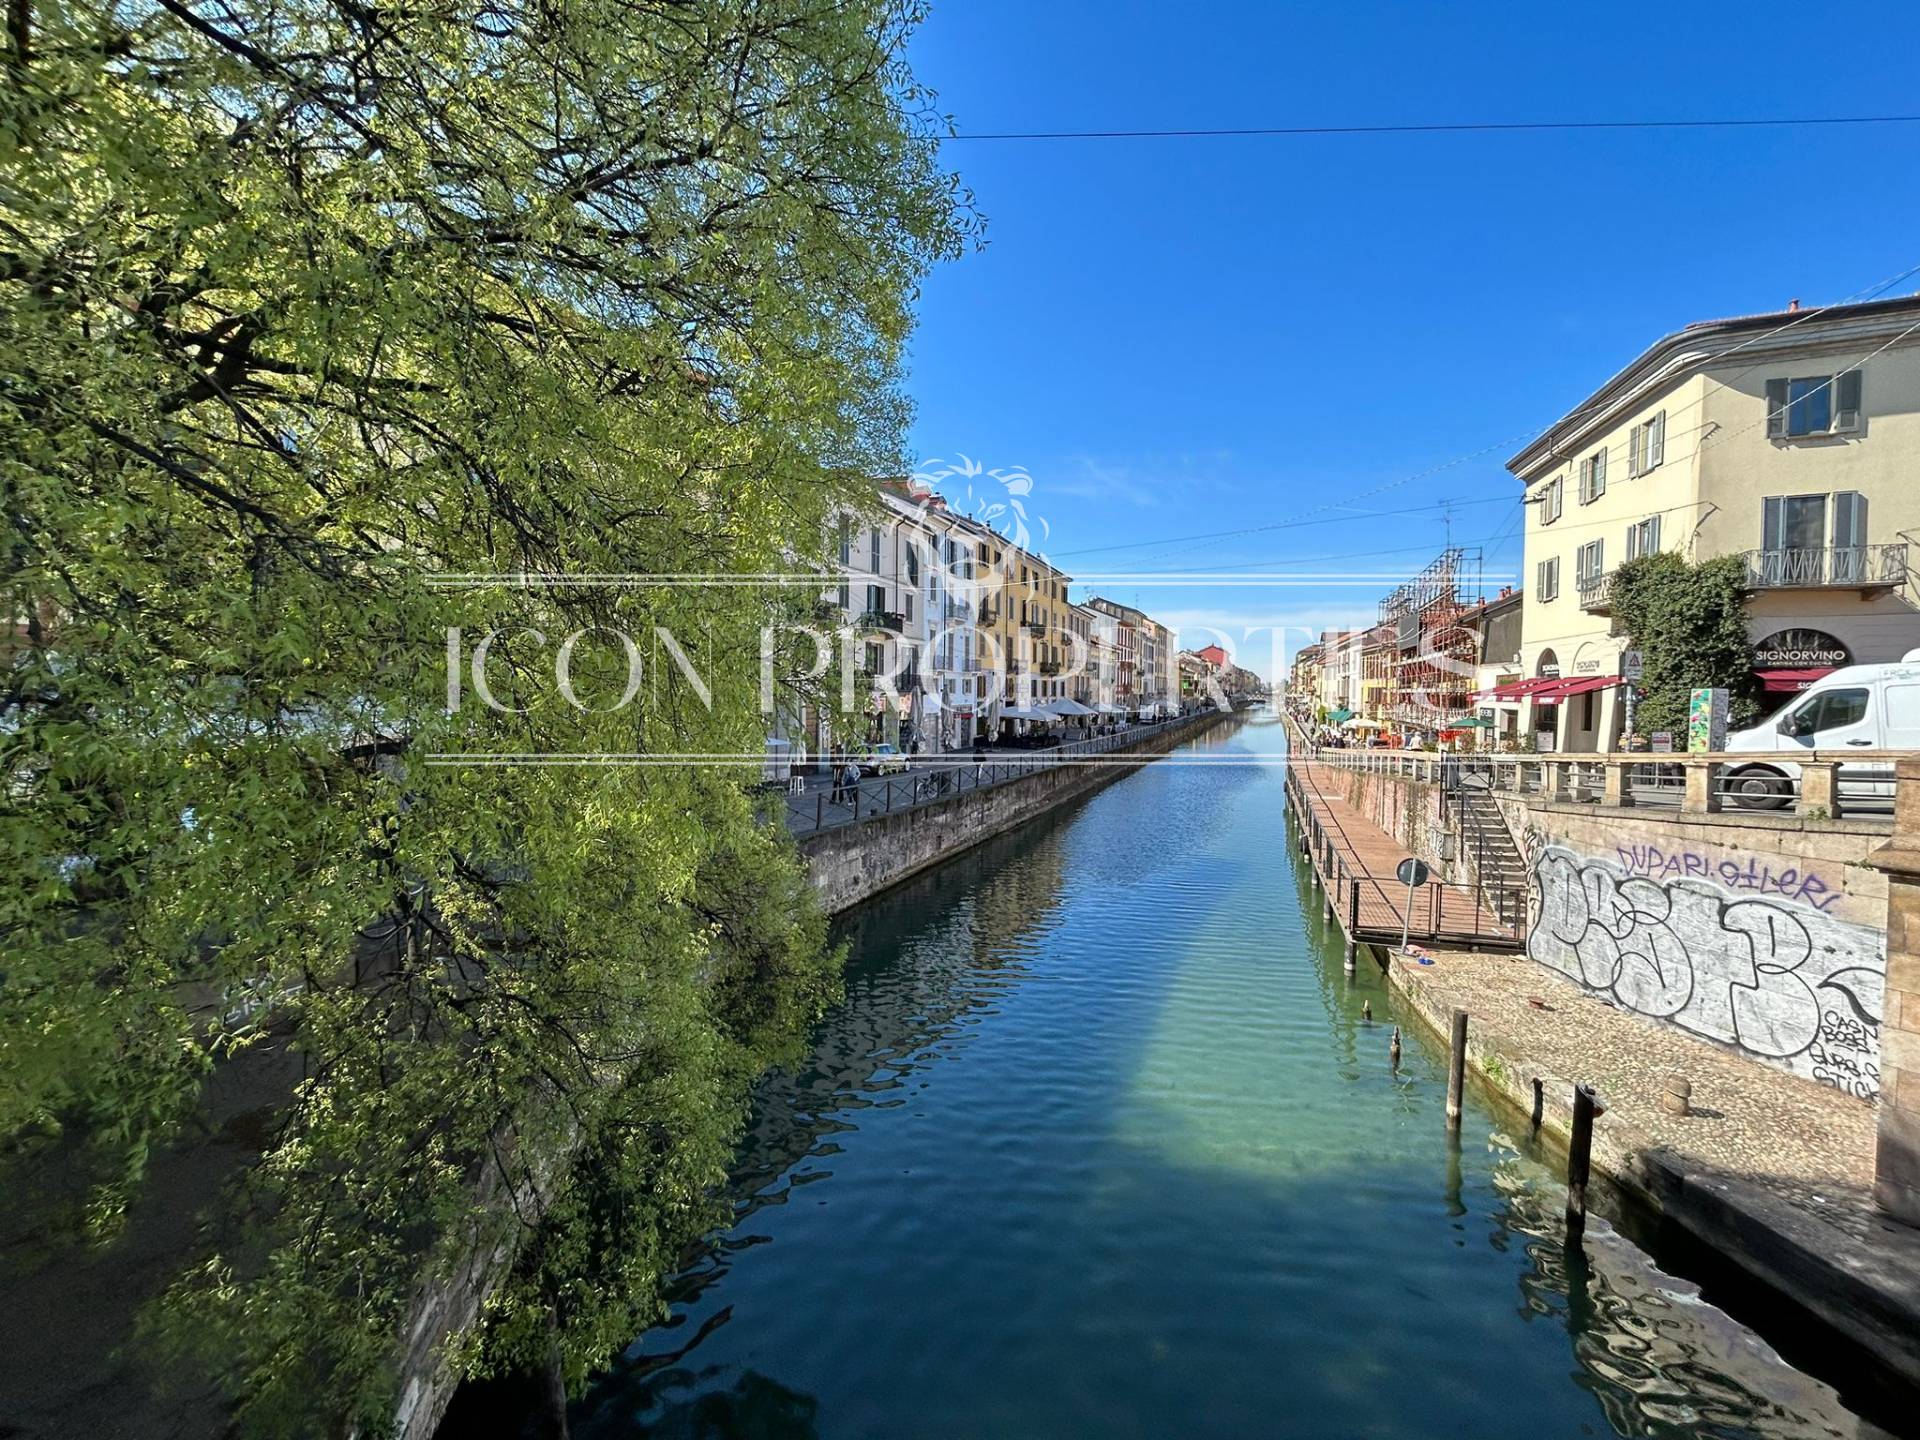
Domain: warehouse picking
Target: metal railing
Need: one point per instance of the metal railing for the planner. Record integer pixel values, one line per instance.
(1835, 565)
(1426, 916)
(1810, 784)
(824, 804)
(1596, 591)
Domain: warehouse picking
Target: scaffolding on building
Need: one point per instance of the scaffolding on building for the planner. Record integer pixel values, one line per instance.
(1431, 656)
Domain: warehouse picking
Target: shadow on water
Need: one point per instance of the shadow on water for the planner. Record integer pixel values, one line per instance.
(1099, 1143)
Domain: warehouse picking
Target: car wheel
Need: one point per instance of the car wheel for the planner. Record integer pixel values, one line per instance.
(1759, 788)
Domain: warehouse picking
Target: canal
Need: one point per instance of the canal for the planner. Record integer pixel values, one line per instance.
(1098, 1144)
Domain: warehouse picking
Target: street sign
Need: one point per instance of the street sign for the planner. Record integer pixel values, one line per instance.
(1412, 871)
(1630, 666)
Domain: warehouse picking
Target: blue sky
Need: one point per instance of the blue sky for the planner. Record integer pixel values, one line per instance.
(1179, 337)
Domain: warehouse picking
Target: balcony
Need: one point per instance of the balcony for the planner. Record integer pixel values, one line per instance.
(1596, 593)
(1048, 667)
(1035, 627)
(883, 620)
(1834, 567)
(957, 609)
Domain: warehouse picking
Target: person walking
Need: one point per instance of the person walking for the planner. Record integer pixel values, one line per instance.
(852, 779)
(979, 759)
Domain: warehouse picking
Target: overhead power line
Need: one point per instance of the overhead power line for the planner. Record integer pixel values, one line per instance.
(1473, 127)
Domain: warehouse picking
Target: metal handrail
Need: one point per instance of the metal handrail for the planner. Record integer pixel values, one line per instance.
(1785, 567)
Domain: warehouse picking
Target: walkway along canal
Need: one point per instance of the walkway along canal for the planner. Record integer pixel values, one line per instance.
(1099, 1143)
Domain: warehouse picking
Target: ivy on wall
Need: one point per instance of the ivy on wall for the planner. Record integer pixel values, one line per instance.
(1689, 624)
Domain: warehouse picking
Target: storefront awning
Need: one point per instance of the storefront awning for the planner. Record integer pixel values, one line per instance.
(1791, 680)
(1334, 717)
(1516, 689)
(1069, 708)
(1015, 712)
(1561, 689)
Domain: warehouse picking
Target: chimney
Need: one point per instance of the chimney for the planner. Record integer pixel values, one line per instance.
(1793, 305)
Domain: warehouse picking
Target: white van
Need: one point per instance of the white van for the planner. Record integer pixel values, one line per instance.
(1866, 707)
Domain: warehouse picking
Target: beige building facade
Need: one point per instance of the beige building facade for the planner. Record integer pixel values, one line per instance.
(1790, 439)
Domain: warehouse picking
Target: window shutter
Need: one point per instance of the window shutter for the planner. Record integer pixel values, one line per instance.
(1776, 409)
(1600, 472)
(1633, 450)
(1657, 440)
(1653, 536)
(1772, 522)
(1849, 519)
(1846, 409)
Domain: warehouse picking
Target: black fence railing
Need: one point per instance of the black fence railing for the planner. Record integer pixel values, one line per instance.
(815, 803)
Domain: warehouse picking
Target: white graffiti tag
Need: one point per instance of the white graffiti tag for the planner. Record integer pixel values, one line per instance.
(1782, 981)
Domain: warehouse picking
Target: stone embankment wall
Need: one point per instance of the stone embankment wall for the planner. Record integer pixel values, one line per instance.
(1762, 933)
(856, 862)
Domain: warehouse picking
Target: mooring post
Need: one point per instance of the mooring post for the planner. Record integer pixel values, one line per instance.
(1353, 925)
(1580, 1156)
(1393, 1048)
(1457, 1069)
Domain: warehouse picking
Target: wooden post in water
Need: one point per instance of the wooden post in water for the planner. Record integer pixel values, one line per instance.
(1353, 925)
(1457, 1069)
(1580, 1156)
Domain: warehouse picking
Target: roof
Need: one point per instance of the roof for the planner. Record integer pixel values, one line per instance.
(1675, 357)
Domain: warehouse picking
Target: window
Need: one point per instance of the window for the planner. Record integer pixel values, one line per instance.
(876, 599)
(1794, 522)
(1643, 538)
(913, 563)
(1546, 579)
(873, 549)
(1587, 562)
(1593, 477)
(1813, 405)
(1551, 499)
(1647, 445)
(1828, 710)
(846, 541)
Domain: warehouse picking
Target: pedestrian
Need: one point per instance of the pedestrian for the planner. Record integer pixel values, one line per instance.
(851, 777)
(979, 759)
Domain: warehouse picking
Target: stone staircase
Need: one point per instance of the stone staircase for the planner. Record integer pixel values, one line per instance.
(1490, 856)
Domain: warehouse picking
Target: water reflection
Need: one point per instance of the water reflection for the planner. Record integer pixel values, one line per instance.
(1099, 1144)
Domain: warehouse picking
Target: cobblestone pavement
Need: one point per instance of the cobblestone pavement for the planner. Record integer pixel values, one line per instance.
(1807, 1143)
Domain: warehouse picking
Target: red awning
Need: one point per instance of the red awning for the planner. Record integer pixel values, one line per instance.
(1514, 689)
(1561, 689)
(1790, 680)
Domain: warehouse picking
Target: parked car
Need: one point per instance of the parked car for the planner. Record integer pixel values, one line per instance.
(881, 760)
(1865, 707)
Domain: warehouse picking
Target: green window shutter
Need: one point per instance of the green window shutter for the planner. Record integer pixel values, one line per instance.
(1776, 409)
(1846, 409)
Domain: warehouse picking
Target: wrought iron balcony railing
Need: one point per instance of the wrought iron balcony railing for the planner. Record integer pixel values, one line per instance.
(1596, 592)
(1835, 566)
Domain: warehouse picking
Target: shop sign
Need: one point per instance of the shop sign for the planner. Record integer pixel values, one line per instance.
(1800, 648)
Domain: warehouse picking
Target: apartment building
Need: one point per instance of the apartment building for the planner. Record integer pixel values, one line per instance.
(1790, 439)
(1148, 682)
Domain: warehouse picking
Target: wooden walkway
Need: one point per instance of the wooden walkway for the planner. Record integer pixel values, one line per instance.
(1354, 861)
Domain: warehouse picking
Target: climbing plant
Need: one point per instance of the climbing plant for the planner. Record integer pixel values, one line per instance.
(1688, 621)
(306, 308)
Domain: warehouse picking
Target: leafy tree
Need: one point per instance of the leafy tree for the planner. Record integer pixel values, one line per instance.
(1689, 623)
(306, 304)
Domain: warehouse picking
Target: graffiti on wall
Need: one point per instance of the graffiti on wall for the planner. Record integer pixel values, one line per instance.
(1782, 981)
(1752, 873)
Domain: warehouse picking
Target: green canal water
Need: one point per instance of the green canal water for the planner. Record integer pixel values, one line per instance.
(1098, 1144)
